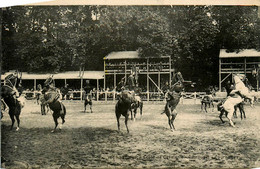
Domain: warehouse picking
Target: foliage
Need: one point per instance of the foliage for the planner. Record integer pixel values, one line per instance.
(59, 38)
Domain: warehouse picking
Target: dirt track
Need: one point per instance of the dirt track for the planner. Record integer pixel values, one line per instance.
(92, 140)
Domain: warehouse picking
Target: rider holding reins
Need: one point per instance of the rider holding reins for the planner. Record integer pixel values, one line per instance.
(11, 81)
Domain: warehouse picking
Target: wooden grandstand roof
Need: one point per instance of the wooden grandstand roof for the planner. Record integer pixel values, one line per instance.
(243, 53)
(127, 55)
(62, 75)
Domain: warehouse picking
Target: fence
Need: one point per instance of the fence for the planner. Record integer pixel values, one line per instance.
(187, 97)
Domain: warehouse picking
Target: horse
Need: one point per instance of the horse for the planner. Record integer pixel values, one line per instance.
(59, 110)
(239, 106)
(10, 95)
(243, 87)
(123, 107)
(235, 97)
(207, 101)
(173, 98)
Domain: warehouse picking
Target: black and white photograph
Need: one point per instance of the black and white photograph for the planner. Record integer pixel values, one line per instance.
(130, 86)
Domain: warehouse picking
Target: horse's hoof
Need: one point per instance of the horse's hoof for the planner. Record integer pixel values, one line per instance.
(17, 128)
(53, 131)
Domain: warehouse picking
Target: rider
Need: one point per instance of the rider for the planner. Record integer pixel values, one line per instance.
(131, 81)
(11, 81)
(49, 87)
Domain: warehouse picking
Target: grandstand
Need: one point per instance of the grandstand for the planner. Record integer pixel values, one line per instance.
(245, 62)
(153, 71)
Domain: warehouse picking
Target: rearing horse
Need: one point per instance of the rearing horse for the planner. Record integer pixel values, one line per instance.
(235, 97)
(173, 98)
(51, 97)
(9, 94)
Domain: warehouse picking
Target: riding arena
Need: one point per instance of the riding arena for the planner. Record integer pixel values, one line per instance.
(138, 112)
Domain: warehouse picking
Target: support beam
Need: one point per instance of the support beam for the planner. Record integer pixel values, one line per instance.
(81, 88)
(170, 67)
(105, 75)
(159, 79)
(147, 67)
(97, 90)
(225, 77)
(219, 75)
(125, 72)
(114, 91)
(245, 66)
(114, 80)
(34, 87)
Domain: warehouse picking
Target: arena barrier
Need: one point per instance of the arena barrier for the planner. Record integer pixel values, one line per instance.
(106, 96)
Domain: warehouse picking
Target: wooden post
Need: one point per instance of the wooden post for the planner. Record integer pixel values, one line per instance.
(147, 67)
(125, 72)
(257, 78)
(219, 76)
(170, 75)
(114, 79)
(97, 90)
(114, 93)
(159, 79)
(65, 82)
(245, 66)
(81, 88)
(105, 75)
(34, 87)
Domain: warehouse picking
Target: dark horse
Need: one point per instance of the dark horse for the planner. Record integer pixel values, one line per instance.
(173, 98)
(52, 99)
(123, 107)
(9, 94)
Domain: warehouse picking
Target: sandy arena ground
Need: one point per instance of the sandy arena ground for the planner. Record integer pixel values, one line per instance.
(92, 140)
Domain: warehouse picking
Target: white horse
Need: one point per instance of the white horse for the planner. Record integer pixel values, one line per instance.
(236, 96)
(245, 91)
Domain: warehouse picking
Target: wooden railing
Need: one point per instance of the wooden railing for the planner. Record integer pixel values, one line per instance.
(187, 97)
